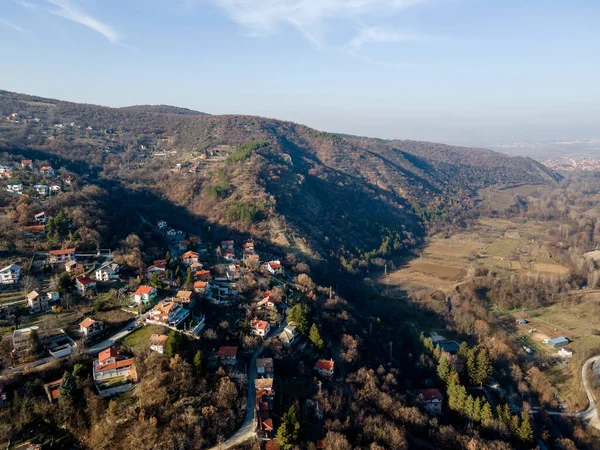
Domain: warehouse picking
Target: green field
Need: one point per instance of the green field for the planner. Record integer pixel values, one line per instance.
(139, 340)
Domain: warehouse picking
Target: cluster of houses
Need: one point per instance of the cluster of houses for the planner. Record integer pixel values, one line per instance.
(31, 344)
(42, 189)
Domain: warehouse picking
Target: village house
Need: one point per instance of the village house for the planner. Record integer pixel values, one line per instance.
(90, 327)
(10, 274)
(73, 267)
(47, 171)
(68, 180)
(84, 284)
(229, 254)
(41, 217)
(37, 302)
(557, 342)
(171, 232)
(227, 245)
(565, 353)
(289, 335)
(113, 373)
(186, 298)
(34, 231)
(15, 188)
(227, 355)
(432, 400)
(158, 342)
(52, 390)
(169, 313)
(161, 224)
(53, 296)
(183, 245)
(264, 367)
(189, 258)
(201, 287)
(260, 327)
(274, 267)
(27, 164)
(108, 271)
(325, 367)
(55, 188)
(202, 275)
(63, 255)
(41, 189)
(155, 269)
(265, 386)
(145, 294)
(6, 172)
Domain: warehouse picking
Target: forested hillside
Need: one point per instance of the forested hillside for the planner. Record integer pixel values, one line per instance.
(318, 193)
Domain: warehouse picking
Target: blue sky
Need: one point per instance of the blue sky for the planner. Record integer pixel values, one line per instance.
(467, 71)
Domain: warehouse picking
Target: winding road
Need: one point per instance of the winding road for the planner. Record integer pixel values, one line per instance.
(590, 415)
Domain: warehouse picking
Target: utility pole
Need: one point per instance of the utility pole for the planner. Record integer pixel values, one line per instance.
(319, 383)
(385, 270)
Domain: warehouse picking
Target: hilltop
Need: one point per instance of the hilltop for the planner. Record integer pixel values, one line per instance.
(317, 193)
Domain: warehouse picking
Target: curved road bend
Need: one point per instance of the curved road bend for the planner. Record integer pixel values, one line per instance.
(590, 415)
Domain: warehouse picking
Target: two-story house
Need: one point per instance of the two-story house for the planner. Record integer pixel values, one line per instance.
(145, 294)
(90, 327)
(227, 355)
(325, 367)
(168, 312)
(84, 284)
(10, 274)
(260, 327)
(62, 255)
(108, 271)
(37, 302)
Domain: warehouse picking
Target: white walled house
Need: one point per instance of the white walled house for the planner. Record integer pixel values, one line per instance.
(10, 274)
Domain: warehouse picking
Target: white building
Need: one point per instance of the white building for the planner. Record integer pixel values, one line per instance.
(37, 302)
(10, 274)
(107, 272)
(168, 313)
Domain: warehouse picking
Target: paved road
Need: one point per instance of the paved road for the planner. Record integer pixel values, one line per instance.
(590, 415)
(97, 348)
(247, 430)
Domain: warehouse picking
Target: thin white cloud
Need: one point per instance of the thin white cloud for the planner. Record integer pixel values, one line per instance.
(12, 26)
(377, 35)
(308, 16)
(67, 10)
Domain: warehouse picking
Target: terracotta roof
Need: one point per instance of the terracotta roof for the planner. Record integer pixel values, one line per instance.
(160, 262)
(202, 273)
(87, 322)
(84, 279)
(430, 394)
(46, 168)
(227, 351)
(325, 364)
(158, 339)
(110, 352)
(272, 445)
(43, 213)
(200, 285)
(143, 290)
(189, 254)
(35, 228)
(184, 294)
(117, 365)
(64, 251)
(259, 324)
(264, 384)
(268, 425)
(275, 264)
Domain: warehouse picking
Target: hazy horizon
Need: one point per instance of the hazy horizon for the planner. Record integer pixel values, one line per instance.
(460, 72)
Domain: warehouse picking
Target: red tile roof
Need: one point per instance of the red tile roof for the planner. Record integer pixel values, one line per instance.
(143, 290)
(65, 251)
(259, 324)
(117, 365)
(227, 351)
(272, 445)
(325, 364)
(430, 394)
(158, 339)
(84, 279)
(110, 352)
(200, 285)
(189, 254)
(87, 322)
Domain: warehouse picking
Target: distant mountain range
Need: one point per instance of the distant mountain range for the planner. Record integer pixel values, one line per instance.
(319, 193)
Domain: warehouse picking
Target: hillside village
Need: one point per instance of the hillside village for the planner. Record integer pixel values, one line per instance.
(226, 299)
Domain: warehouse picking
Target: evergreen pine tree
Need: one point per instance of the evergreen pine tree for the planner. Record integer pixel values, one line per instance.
(283, 437)
(463, 351)
(477, 410)
(198, 362)
(443, 369)
(174, 344)
(470, 407)
(189, 280)
(315, 337)
(525, 431)
(437, 352)
(67, 387)
(472, 364)
(298, 314)
(486, 414)
(484, 367)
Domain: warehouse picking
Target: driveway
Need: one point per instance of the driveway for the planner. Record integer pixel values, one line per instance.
(112, 340)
